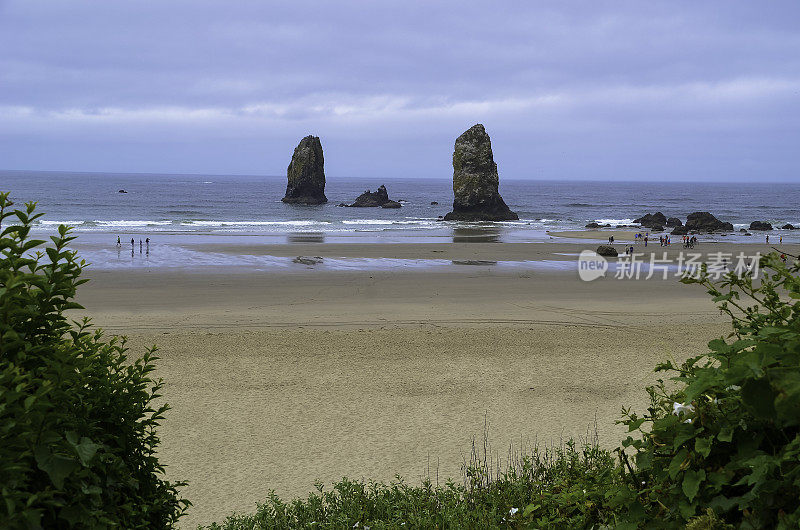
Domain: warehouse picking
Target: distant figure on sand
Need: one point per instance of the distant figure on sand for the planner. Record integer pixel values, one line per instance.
(119, 243)
(767, 239)
(140, 246)
(132, 243)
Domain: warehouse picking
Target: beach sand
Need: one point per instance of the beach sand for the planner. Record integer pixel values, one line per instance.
(278, 380)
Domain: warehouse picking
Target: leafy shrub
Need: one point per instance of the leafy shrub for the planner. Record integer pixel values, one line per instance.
(727, 438)
(77, 419)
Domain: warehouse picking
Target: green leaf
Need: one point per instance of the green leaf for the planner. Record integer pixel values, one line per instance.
(685, 432)
(725, 434)
(676, 462)
(635, 424)
(757, 395)
(86, 450)
(57, 467)
(703, 446)
(718, 345)
(691, 482)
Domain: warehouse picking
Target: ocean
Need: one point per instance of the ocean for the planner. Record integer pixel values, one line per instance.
(229, 205)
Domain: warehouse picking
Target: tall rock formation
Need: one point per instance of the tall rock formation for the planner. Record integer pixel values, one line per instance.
(475, 180)
(306, 174)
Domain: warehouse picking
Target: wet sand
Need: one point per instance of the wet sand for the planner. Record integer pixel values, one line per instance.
(281, 379)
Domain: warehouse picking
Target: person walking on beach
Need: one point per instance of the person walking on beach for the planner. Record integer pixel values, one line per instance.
(140, 246)
(132, 243)
(780, 240)
(119, 243)
(767, 239)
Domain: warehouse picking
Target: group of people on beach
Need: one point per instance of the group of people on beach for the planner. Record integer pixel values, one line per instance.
(133, 244)
(664, 241)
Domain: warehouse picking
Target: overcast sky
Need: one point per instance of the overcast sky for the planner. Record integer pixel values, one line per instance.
(650, 90)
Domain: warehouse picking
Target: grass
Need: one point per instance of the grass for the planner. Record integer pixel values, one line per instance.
(551, 487)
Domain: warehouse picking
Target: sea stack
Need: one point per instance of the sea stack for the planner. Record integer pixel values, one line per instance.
(306, 174)
(475, 180)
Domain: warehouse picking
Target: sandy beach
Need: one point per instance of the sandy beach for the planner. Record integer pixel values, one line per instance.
(281, 379)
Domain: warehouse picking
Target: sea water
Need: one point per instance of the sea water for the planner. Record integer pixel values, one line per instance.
(187, 209)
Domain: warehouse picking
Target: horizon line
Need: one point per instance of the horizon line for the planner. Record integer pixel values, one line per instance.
(631, 180)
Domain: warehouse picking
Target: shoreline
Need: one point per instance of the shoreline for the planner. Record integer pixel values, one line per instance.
(243, 256)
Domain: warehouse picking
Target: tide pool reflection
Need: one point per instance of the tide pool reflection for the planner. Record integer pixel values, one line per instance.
(306, 237)
(477, 234)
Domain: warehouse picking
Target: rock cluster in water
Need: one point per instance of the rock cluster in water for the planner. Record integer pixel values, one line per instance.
(655, 220)
(372, 199)
(760, 225)
(475, 180)
(706, 222)
(306, 174)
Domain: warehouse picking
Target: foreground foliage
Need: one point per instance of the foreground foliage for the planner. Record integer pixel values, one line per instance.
(77, 420)
(727, 439)
(562, 488)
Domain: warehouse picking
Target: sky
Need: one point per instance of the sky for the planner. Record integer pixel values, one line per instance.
(655, 90)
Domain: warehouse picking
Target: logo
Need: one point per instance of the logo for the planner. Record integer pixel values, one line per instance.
(591, 266)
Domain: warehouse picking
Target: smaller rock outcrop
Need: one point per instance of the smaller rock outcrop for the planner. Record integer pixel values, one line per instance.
(307, 260)
(672, 222)
(789, 226)
(592, 225)
(652, 220)
(761, 226)
(391, 204)
(372, 199)
(706, 222)
(607, 251)
(680, 231)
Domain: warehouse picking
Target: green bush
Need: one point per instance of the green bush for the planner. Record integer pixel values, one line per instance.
(726, 437)
(77, 419)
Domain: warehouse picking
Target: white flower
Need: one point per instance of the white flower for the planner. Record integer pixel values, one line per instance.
(735, 388)
(680, 408)
(355, 525)
(513, 511)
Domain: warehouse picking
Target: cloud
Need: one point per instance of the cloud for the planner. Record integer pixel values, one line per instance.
(400, 76)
